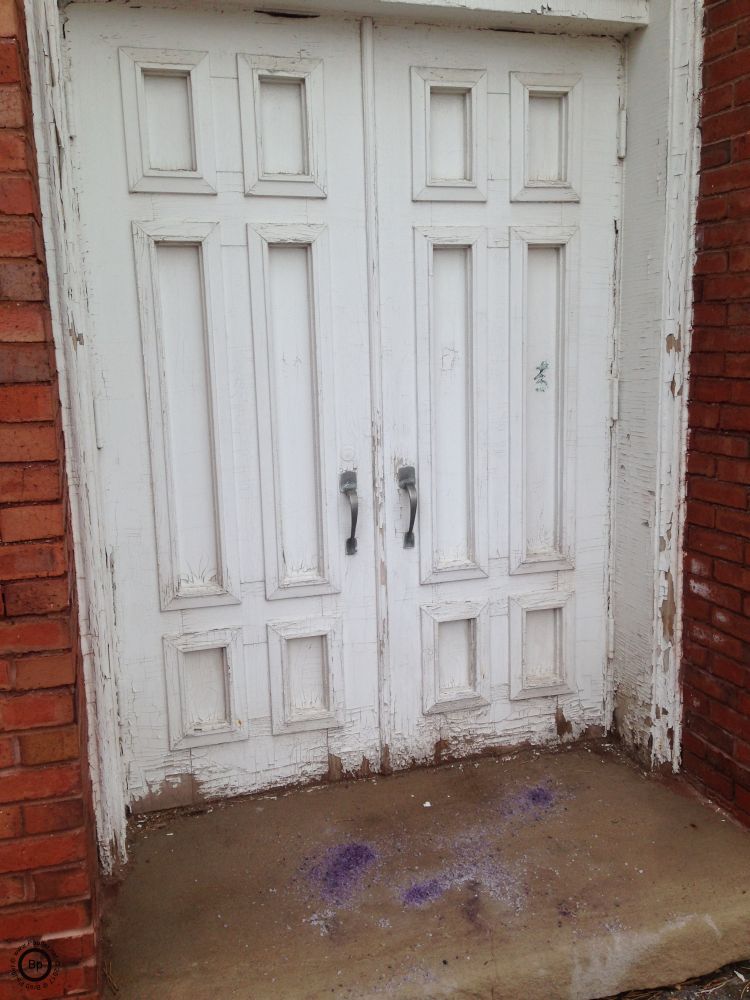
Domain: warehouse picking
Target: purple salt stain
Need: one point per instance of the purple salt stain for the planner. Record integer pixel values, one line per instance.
(540, 797)
(533, 801)
(421, 893)
(472, 860)
(341, 869)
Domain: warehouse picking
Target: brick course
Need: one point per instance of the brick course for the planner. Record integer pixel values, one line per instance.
(716, 654)
(47, 854)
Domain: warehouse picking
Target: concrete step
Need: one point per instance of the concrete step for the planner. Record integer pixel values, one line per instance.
(535, 875)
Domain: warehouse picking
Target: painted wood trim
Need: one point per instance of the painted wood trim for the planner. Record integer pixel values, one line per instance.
(474, 239)
(520, 240)
(54, 127)
(522, 86)
(181, 736)
(681, 198)
(518, 607)
(146, 237)
(283, 717)
(585, 17)
(251, 70)
(315, 238)
(476, 695)
(385, 706)
(474, 82)
(142, 177)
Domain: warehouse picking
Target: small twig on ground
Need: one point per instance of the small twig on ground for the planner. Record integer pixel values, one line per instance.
(108, 976)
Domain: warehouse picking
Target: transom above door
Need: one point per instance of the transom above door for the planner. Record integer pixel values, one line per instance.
(244, 270)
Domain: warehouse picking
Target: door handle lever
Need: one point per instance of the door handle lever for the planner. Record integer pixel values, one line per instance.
(348, 486)
(407, 480)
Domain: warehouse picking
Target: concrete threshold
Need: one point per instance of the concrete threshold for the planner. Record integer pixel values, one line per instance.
(536, 875)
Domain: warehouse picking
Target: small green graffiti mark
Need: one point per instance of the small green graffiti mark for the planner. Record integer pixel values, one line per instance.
(540, 377)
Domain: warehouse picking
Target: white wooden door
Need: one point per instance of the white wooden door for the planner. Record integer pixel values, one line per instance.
(224, 210)
(500, 201)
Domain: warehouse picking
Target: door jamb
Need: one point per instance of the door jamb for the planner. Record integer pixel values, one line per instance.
(681, 195)
(54, 135)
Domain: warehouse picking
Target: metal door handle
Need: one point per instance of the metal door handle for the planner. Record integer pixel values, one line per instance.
(407, 480)
(348, 486)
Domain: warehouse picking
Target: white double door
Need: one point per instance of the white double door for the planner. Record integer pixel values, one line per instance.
(257, 237)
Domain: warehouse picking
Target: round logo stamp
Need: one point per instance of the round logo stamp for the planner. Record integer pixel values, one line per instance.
(34, 965)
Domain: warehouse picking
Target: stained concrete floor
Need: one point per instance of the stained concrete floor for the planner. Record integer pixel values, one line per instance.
(540, 875)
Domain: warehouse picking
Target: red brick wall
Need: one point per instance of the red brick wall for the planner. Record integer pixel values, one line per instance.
(47, 855)
(716, 665)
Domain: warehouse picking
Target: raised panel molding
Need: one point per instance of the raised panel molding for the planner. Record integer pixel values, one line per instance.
(290, 161)
(542, 393)
(455, 656)
(190, 510)
(542, 643)
(307, 679)
(175, 151)
(545, 137)
(206, 700)
(293, 343)
(449, 134)
(451, 387)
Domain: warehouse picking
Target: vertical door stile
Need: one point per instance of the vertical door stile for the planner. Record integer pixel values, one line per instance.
(376, 382)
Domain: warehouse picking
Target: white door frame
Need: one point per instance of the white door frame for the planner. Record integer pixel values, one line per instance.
(679, 25)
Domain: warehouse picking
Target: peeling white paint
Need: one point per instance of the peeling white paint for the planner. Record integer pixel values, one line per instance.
(584, 17)
(55, 138)
(660, 191)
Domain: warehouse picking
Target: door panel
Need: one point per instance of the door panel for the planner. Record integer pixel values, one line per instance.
(451, 349)
(184, 339)
(294, 350)
(505, 214)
